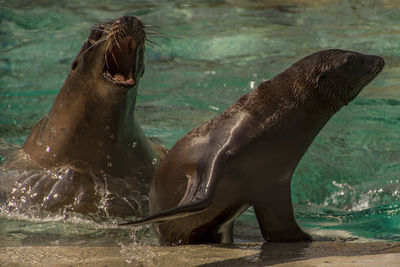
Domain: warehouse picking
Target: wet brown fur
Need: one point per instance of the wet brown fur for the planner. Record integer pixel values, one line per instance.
(247, 155)
(89, 154)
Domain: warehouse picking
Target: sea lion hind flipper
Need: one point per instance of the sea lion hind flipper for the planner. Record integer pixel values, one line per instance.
(172, 214)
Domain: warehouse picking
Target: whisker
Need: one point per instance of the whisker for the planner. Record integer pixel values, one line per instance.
(105, 55)
(157, 33)
(102, 39)
(102, 30)
(113, 30)
(111, 33)
(152, 42)
(120, 49)
(150, 26)
(151, 46)
(124, 29)
(158, 52)
(115, 60)
(152, 31)
(97, 42)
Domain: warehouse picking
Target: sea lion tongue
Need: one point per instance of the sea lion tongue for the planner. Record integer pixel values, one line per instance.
(121, 61)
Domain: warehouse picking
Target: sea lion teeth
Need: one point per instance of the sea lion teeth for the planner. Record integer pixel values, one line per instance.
(119, 77)
(130, 80)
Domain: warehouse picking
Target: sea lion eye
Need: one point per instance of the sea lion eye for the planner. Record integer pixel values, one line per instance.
(350, 58)
(96, 34)
(74, 64)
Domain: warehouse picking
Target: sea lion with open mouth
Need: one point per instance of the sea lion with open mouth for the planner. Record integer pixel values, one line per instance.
(247, 156)
(89, 154)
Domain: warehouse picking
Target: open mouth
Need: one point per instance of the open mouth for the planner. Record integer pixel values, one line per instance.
(121, 66)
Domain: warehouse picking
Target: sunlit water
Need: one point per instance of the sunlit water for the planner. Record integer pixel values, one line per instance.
(209, 54)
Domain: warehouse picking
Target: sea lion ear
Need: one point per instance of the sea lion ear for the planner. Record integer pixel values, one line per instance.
(322, 76)
(350, 58)
(142, 71)
(74, 64)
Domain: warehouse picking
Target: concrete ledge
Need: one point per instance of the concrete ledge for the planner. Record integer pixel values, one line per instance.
(247, 254)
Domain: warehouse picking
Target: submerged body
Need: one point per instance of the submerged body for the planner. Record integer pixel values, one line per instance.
(89, 154)
(247, 156)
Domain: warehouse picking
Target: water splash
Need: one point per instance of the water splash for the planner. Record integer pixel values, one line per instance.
(138, 252)
(212, 67)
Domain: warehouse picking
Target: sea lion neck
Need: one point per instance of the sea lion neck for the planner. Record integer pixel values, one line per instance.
(287, 91)
(298, 88)
(87, 129)
(88, 155)
(276, 101)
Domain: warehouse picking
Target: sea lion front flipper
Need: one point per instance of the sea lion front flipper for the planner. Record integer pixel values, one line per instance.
(196, 199)
(171, 214)
(202, 181)
(276, 219)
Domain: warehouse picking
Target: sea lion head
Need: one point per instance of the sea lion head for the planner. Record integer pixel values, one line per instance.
(335, 76)
(113, 54)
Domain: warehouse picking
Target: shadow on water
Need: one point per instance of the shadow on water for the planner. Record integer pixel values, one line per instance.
(277, 253)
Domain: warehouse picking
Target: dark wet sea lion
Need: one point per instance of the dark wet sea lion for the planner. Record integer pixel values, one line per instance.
(89, 154)
(247, 156)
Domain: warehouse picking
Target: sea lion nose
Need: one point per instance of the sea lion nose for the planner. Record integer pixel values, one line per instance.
(134, 24)
(128, 19)
(376, 62)
(380, 60)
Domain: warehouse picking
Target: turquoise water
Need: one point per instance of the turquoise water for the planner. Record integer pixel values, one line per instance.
(209, 54)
